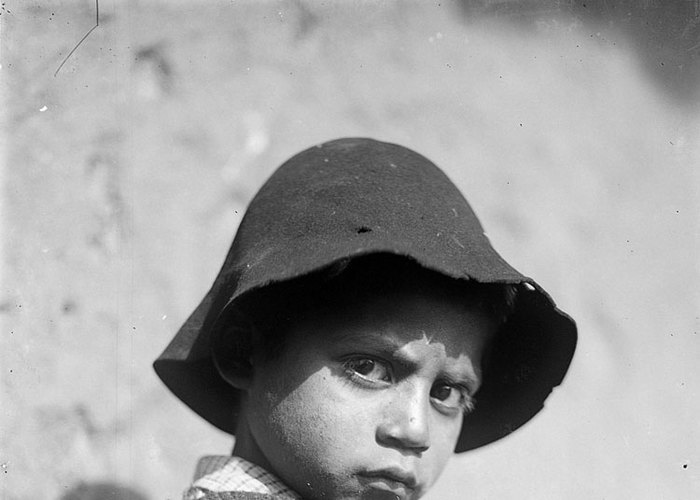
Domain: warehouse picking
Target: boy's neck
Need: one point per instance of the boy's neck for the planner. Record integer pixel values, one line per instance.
(246, 447)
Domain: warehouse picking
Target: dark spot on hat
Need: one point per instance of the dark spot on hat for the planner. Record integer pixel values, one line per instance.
(363, 229)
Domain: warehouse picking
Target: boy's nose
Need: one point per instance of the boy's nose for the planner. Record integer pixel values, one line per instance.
(406, 424)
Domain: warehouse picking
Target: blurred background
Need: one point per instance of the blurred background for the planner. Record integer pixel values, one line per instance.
(572, 127)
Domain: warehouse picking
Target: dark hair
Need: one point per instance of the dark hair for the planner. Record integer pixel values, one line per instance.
(263, 317)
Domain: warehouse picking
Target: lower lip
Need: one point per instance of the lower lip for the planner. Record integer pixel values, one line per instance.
(390, 488)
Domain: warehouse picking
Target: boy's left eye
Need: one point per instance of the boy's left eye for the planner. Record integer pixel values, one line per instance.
(369, 369)
(451, 397)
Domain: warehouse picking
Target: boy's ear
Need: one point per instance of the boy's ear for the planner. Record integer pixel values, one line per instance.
(232, 351)
(237, 372)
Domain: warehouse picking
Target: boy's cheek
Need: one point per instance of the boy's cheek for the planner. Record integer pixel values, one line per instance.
(322, 413)
(316, 430)
(323, 401)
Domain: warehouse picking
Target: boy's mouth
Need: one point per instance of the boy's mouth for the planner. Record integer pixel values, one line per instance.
(393, 479)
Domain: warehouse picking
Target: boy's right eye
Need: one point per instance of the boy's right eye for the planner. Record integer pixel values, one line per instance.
(368, 369)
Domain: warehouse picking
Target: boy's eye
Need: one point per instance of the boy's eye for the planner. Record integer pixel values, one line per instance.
(452, 397)
(369, 369)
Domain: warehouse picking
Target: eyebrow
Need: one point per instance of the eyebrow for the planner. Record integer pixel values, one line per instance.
(390, 347)
(376, 340)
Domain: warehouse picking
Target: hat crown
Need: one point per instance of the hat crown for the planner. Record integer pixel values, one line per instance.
(366, 196)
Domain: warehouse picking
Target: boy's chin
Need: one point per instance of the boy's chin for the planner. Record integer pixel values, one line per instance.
(388, 490)
(375, 489)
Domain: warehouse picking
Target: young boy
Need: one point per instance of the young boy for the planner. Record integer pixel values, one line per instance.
(360, 331)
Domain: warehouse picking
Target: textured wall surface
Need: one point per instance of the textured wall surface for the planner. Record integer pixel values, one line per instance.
(125, 175)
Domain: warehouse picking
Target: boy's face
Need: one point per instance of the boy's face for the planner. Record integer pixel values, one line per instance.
(367, 402)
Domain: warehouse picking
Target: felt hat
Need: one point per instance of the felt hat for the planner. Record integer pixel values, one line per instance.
(356, 197)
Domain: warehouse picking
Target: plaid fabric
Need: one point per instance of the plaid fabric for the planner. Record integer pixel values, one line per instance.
(226, 473)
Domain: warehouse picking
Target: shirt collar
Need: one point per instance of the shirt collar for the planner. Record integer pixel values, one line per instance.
(226, 473)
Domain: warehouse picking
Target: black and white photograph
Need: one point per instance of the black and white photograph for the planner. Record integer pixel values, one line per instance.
(349, 249)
